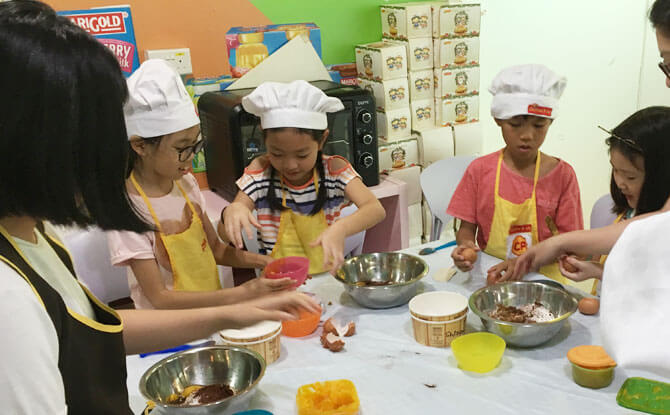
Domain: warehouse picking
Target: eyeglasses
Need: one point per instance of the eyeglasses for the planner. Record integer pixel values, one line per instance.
(665, 68)
(186, 152)
(630, 143)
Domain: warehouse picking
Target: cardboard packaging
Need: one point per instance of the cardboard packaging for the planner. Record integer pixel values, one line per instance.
(415, 224)
(435, 144)
(381, 60)
(419, 53)
(398, 154)
(457, 82)
(113, 27)
(247, 46)
(456, 20)
(451, 53)
(411, 176)
(468, 139)
(423, 114)
(457, 110)
(421, 85)
(404, 21)
(344, 73)
(394, 125)
(389, 95)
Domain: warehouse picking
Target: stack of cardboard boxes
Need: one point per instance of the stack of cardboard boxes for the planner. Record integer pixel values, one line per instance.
(423, 71)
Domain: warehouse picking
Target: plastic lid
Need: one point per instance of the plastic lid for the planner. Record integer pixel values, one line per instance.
(438, 303)
(590, 357)
(260, 329)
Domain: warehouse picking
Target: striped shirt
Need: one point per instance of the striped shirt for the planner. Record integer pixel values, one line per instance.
(301, 199)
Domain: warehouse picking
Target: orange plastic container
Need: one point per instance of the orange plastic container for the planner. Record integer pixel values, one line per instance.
(294, 267)
(305, 326)
(332, 397)
(592, 367)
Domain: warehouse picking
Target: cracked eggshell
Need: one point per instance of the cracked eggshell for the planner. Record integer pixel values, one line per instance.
(337, 328)
(332, 342)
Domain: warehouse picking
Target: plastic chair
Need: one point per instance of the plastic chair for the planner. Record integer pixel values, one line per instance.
(93, 266)
(601, 213)
(438, 183)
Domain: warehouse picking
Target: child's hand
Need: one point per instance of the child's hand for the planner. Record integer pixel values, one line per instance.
(332, 241)
(238, 217)
(500, 272)
(276, 307)
(457, 255)
(584, 269)
(260, 286)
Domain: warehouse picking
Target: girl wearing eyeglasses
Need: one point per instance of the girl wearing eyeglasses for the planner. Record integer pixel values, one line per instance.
(174, 266)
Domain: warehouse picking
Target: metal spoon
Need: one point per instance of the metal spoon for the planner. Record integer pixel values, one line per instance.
(428, 250)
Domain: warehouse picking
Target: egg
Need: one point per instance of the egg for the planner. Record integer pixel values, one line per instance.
(569, 267)
(589, 306)
(469, 254)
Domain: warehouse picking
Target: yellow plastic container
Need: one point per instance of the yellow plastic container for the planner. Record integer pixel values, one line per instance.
(332, 397)
(478, 352)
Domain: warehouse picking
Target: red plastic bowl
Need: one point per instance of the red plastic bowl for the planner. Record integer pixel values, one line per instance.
(294, 267)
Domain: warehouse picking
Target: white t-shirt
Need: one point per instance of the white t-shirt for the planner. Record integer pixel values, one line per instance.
(30, 381)
(174, 216)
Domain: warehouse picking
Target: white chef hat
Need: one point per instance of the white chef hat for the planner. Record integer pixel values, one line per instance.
(158, 103)
(297, 104)
(526, 90)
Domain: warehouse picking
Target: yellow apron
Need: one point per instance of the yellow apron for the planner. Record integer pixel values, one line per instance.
(514, 229)
(191, 258)
(297, 232)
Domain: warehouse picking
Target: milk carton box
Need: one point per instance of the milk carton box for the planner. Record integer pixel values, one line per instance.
(457, 82)
(404, 21)
(390, 94)
(421, 85)
(456, 52)
(457, 110)
(113, 27)
(394, 125)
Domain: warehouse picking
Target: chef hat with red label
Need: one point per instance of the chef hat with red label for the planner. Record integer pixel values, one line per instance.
(526, 90)
(297, 104)
(158, 103)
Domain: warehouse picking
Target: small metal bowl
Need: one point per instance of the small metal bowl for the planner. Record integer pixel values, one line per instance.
(382, 280)
(239, 368)
(519, 293)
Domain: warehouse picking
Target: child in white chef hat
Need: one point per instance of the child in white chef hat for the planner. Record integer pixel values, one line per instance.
(297, 191)
(175, 266)
(506, 198)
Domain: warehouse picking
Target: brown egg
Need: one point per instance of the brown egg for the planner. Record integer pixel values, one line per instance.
(589, 306)
(469, 254)
(569, 267)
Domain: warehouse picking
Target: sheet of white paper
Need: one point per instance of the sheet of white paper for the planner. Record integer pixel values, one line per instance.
(297, 59)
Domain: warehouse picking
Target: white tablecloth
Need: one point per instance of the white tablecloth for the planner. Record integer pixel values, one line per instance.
(394, 374)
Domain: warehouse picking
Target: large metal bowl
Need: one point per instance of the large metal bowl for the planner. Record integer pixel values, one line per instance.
(558, 301)
(400, 272)
(239, 368)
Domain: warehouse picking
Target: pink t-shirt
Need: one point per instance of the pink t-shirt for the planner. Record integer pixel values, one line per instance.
(174, 216)
(557, 196)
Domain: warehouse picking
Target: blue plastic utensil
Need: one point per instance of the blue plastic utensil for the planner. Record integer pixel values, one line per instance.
(179, 348)
(427, 251)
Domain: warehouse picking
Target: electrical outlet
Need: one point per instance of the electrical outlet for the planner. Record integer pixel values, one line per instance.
(180, 59)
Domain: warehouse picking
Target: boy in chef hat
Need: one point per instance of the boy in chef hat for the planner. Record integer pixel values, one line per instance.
(297, 191)
(176, 266)
(508, 200)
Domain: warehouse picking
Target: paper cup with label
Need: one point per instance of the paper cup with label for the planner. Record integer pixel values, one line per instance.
(262, 337)
(438, 317)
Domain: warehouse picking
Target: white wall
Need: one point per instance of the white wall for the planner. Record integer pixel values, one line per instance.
(598, 46)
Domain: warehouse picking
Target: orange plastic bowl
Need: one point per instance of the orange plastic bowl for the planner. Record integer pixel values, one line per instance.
(302, 327)
(294, 267)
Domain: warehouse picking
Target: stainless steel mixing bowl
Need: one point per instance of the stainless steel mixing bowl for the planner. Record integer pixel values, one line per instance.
(239, 368)
(561, 303)
(399, 273)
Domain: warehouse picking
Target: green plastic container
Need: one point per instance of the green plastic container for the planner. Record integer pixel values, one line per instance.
(645, 395)
(592, 378)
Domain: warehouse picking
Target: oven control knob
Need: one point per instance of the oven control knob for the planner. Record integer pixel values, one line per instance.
(367, 139)
(365, 117)
(367, 160)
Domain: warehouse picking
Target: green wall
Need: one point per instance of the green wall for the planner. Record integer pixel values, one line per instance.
(343, 23)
